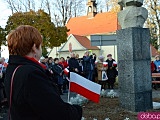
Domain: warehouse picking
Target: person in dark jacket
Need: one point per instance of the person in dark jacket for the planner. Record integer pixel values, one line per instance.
(157, 63)
(58, 74)
(49, 69)
(111, 71)
(80, 62)
(88, 65)
(73, 64)
(2, 76)
(32, 95)
(65, 81)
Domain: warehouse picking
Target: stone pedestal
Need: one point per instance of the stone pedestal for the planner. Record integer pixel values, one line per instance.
(134, 73)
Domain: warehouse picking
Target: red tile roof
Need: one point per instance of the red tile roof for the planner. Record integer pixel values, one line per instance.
(154, 51)
(85, 42)
(102, 23)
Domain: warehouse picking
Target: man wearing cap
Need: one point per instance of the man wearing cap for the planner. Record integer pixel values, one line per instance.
(111, 71)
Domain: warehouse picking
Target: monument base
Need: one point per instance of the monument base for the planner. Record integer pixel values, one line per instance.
(134, 73)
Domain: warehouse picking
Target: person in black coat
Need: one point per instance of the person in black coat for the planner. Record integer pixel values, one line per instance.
(111, 71)
(73, 64)
(2, 76)
(32, 95)
(88, 65)
(58, 74)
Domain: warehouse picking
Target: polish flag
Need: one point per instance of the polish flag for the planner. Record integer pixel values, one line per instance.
(114, 63)
(84, 87)
(105, 64)
(95, 62)
(66, 71)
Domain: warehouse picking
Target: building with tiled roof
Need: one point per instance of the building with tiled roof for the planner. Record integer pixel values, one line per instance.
(93, 23)
(78, 43)
(101, 23)
(85, 42)
(80, 29)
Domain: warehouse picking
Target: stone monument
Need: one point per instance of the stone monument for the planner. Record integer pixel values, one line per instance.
(133, 44)
(133, 14)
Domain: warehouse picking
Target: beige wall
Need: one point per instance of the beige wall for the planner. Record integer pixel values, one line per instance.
(81, 53)
(105, 50)
(75, 44)
(79, 49)
(53, 52)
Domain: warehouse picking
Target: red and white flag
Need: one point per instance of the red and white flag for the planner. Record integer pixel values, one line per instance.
(95, 62)
(85, 87)
(114, 63)
(66, 71)
(105, 64)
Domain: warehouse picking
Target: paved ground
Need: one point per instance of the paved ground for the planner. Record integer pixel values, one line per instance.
(3, 113)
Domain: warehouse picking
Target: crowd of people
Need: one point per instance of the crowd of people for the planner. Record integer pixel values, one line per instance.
(87, 66)
(3, 66)
(155, 68)
(155, 65)
(31, 86)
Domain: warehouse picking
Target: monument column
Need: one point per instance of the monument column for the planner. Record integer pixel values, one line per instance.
(133, 45)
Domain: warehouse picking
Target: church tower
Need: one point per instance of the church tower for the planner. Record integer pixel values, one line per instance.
(92, 8)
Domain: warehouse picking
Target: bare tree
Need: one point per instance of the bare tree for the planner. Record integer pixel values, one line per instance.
(65, 9)
(48, 7)
(100, 6)
(21, 5)
(112, 5)
(12, 6)
(77, 8)
(59, 10)
(107, 5)
(153, 21)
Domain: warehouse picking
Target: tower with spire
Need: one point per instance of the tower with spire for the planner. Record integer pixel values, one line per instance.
(92, 8)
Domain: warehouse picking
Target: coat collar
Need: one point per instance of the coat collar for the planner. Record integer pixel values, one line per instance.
(20, 60)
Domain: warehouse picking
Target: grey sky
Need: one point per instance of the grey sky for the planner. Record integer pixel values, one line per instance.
(4, 13)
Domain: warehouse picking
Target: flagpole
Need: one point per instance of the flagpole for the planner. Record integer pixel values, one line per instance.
(68, 89)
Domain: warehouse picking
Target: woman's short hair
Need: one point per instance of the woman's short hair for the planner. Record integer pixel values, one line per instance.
(21, 40)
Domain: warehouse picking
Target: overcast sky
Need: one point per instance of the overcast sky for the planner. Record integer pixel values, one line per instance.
(4, 13)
